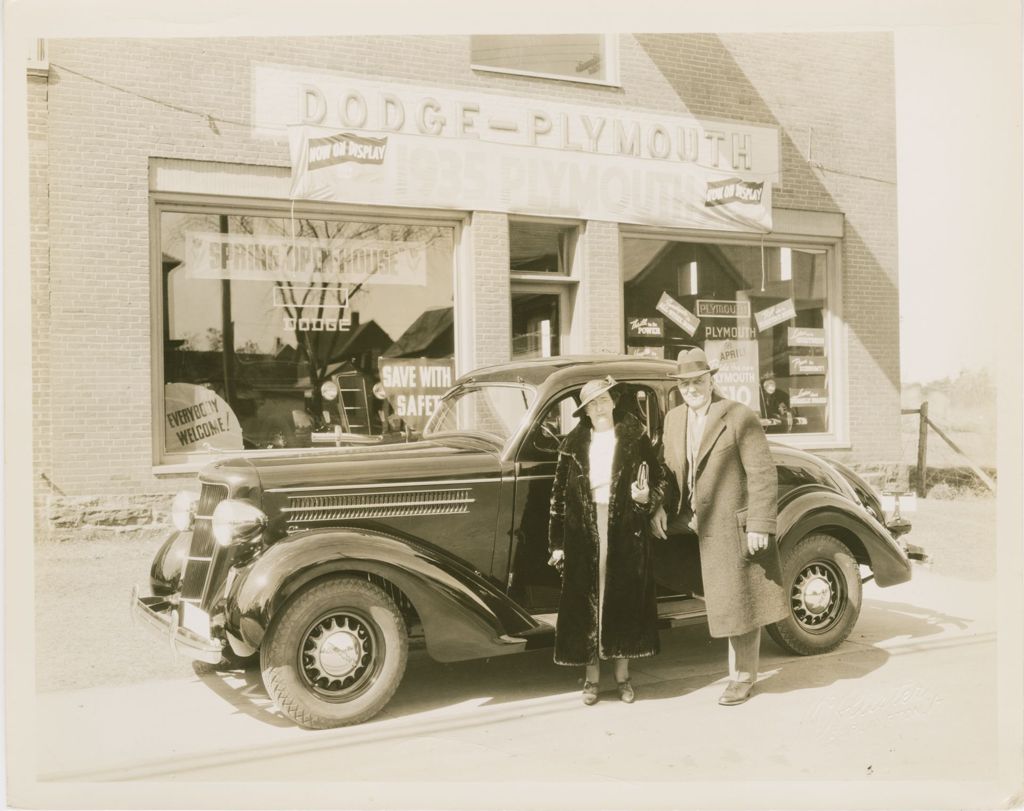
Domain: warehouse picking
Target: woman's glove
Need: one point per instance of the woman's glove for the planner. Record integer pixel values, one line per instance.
(640, 488)
(557, 559)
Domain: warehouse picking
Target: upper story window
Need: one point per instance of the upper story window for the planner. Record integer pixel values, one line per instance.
(576, 57)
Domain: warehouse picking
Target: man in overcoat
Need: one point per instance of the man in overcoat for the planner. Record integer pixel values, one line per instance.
(716, 454)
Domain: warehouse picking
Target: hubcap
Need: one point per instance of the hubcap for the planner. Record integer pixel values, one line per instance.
(818, 596)
(339, 655)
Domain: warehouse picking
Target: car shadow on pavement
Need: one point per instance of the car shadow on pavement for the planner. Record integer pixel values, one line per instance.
(689, 661)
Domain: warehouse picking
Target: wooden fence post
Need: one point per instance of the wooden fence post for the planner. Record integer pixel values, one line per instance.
(922, 450)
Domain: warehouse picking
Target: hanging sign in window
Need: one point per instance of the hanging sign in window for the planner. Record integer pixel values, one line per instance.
(776, 314)
(677, 314)
(270, 257)
(638, 351)
(645, 328)
(807, 397)
(722, 308)
(725, 332)
(807, 365)
(805, 336)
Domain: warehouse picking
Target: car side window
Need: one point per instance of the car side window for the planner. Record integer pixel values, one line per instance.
(554, 425)
(642, 402)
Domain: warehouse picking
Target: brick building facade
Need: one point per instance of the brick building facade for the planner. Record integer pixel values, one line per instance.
(119, 128)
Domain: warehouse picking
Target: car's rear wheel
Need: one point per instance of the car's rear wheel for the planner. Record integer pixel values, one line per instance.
(824, 589)
(336, 653)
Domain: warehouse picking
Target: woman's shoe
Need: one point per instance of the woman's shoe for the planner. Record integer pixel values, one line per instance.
(626, 692)
(589, 693)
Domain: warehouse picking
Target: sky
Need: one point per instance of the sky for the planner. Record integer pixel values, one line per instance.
(950, 175)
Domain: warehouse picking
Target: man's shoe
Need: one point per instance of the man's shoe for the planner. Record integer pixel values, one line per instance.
(589, 693)
(626, 692)
(736, 692)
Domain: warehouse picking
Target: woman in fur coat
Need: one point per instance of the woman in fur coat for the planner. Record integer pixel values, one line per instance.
(599, 539)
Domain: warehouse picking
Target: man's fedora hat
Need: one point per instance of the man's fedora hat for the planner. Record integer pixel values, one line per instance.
(691, 363)
(593, 389)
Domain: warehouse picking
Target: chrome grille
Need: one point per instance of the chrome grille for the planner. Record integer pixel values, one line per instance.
(203, 550)
(348, 506)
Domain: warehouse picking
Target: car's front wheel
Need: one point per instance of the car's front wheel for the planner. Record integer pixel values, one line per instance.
(336, 654)
(824, 589)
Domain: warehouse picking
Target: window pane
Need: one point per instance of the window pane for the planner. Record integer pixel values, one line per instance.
(275, 330)
(575, 56)
(536, 247)
(535, 325)
(759, 314)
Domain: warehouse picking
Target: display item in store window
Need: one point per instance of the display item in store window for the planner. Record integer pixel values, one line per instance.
(776, 412)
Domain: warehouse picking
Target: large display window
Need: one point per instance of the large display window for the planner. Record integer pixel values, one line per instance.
(761, 312)
(289, 331)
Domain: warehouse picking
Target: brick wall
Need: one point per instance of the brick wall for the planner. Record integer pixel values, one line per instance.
(491, 325)
(831, 96)
(39, 247)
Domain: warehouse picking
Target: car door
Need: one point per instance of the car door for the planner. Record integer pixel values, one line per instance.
(534, 584)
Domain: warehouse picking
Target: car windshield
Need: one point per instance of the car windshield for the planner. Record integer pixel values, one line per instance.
(494, 410)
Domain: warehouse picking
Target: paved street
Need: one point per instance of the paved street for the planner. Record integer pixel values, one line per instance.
(921, 663)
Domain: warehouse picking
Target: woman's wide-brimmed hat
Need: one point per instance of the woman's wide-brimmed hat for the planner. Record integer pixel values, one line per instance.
(593, 389)
(691, 363)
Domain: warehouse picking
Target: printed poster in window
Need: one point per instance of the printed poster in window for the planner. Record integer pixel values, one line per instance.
(413, 387)
(737, 366)
(198, 419)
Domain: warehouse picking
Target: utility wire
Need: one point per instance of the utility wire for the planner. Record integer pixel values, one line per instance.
(210, 119)
(831, 171)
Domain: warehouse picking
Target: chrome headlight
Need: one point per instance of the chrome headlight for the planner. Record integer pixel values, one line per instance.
(183, 510)
(236, 520)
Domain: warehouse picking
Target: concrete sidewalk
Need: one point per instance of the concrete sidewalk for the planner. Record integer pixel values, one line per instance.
(920, 664)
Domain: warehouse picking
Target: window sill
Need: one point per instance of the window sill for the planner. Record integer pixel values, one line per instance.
(547, 76)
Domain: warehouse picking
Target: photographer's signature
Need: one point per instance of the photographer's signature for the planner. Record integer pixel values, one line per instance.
(843, 715)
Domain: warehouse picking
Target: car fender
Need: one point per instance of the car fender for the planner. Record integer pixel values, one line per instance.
(168, 563)
(809, 510)
(463, 615)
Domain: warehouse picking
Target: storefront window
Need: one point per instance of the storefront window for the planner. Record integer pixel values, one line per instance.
(281, 332)
(580, 57)
(758, 312)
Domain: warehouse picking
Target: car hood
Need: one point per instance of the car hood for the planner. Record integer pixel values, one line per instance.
(416, 461)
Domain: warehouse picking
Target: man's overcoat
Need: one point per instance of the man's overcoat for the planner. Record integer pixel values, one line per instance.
(630, 613)
(735, 492)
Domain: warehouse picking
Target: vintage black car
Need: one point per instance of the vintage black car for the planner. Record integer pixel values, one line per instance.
(326, 564)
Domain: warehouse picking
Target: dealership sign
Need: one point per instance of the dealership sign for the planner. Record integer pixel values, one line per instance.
(274, 257)
(805, 336)
(807, 397)
(677, 314)
(776, 314)
(645, 328)
(358, 140)
(724, 308)
(807, 365)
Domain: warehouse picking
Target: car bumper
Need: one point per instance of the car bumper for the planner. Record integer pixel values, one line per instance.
(163, 619)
